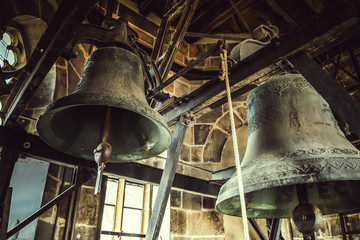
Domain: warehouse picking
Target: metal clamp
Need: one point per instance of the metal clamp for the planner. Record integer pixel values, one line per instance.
(187, 119)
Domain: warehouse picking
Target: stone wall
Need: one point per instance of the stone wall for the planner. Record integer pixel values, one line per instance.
(76, 215)
(193, 217)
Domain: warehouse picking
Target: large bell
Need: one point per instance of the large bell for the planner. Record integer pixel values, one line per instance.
(293, 139)
(112, 78)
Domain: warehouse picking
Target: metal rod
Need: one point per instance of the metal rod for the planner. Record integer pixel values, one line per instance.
(344, 70)
(354, 61)
(179, 34)
(166, 182)
(257, 229)
(241, 17)
(342, 225)
(338, 98)
(217, 36)
(106, 125)
(164, 27)
(44, 208)
(275, 229)
(8, 158)
(124, 234)
(5, 214)
(263, 59)
(184, 70)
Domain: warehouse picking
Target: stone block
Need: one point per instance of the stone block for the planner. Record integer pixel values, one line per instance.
(169, 88)
(210, 238)
(325, 228)
(196, 153)
(181, 88)
(175, 198)
(205, 223)
(191, 201)
(209, 203)
(178, 222)
(214, 146)
(224, 122)
(196, 172)
(180, 238)
(185, 153)
(335, 226)
(189, 136)
(201, 133)
(215, 61)
(44, 229)
(352, 223)
(88, 206)
(211, 116)
(184, 48)
(196, 50)
(84, 232)
(51, 190)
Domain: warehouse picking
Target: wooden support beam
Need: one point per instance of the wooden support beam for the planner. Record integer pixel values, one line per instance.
(338, 98)
(274, 5)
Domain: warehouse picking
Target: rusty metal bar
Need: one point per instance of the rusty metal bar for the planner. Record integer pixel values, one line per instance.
(275, 229)
(257, 229)
(179, 34)
(76, 183)
(166, 182)
(164, 27)
(184, 70)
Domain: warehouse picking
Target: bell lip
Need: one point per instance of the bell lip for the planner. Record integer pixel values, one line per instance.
(77, 99)
(231, 187)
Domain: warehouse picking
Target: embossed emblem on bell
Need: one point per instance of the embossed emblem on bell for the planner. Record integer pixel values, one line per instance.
(113, 78)
(293, 138)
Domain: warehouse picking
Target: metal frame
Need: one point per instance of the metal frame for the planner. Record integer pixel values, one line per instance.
(167, 178)
(32, 145)
(77, 180)
(313, 39)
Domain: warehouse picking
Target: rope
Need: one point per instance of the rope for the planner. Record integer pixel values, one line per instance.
(225, 76)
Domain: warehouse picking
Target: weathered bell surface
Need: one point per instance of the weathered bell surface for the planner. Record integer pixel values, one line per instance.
(293, 139)
(112, 77)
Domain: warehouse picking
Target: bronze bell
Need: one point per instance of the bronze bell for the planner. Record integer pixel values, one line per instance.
(112, 78)
(293, 140)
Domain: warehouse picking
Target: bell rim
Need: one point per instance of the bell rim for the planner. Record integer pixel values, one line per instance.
(230, 188)
(76, 99)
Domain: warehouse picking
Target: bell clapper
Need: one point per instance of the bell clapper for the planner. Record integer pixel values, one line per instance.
(306, 216)
(102, 152)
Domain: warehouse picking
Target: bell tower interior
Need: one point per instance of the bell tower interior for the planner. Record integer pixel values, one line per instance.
(115, 119)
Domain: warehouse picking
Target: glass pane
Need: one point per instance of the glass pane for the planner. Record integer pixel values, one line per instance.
(105, 237)
(11, 58)
(108, 218)
(6, 38)
(111, 192)
(130, 238)
(131, 221)
(133, 196)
